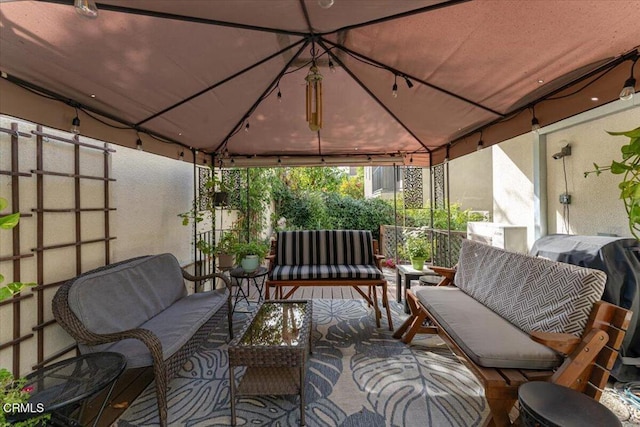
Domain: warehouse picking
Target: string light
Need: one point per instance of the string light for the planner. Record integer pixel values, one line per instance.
(139, 144)
(535, 124)
(181, 156)
(408, 82)
(325, 4)
(246, 127)
(394, 88)
(75, 125)
(332, 67)
(279, 95)
(629, 88)
(480, 145)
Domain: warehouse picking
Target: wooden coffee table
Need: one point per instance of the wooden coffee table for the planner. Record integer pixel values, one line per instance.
(273, 346)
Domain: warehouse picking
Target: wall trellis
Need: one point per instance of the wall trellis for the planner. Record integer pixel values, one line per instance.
(45, 237)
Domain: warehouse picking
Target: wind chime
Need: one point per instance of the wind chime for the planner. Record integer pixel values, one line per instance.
(314, 98)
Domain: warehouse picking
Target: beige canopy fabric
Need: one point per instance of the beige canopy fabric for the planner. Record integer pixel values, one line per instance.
(190, 76)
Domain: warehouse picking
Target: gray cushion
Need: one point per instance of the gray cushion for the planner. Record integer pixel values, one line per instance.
(173, 326)
(309, 272)
(534, 294)
(127, 295)
(488, 339)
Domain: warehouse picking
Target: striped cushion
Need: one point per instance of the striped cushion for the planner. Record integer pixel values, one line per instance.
(310, 272)
(325, 247)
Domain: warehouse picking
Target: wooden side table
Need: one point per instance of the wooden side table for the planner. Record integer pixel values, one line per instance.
(408, 273)
(548, 404)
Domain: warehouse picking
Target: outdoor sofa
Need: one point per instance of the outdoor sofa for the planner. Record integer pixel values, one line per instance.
(141, 309)
(515, 318)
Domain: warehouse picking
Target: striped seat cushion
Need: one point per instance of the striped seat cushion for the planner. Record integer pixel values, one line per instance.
(311, 272)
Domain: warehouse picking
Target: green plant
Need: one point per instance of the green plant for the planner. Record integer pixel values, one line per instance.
(7, 222)
(227, 242)
(418, 244)
(629, 168)
(253, 247)
(13, 391)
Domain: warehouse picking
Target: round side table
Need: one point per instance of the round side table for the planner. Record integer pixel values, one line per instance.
(551, 405)
(59, 388)
(241, 277)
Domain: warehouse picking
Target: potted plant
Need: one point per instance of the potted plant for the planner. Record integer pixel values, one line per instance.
(629, 168)
(224, 249)
(250, 254)
(418, 247)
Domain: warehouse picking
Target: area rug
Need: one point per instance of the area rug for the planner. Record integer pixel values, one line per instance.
(358, 375)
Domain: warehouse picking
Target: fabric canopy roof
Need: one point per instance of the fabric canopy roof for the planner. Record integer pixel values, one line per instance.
(190, 75)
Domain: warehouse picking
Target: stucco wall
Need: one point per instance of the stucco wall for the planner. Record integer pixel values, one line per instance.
(595, 205)
(513, 183)
(149, 193)
(471, 180)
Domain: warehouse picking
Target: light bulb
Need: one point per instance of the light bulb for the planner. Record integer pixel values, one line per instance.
(628, 90)
(480, 145)
(139, 144)
(394, 90)
(181, 156)
(325, 4)
(279, 95)
(535, 125)
(246, 127)
(332, 67)
(86, 8)
(75, 125)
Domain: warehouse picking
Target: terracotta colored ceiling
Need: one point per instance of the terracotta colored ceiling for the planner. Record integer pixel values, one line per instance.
(187, 75)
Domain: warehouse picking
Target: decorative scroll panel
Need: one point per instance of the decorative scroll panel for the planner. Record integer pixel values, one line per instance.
(413, 191)
(438, 186)
(204, 196)
(232, 181)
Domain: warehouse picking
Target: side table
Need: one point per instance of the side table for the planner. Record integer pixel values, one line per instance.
(548, 404)
(59, 388)
(408, 273)
(241, 276)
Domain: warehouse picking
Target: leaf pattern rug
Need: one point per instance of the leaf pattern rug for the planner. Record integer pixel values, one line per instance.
(358, 375)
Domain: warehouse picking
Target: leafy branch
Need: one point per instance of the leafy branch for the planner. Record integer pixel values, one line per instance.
(629, 168)
(8, 222)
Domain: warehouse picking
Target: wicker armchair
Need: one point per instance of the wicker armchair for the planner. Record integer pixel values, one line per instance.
(165, 366)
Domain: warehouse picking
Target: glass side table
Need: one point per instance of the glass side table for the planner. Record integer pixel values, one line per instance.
(59, 388)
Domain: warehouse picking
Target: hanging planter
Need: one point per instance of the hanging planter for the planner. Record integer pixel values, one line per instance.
(220, 198)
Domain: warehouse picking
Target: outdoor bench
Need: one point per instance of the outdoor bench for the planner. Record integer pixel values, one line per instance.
(514, 318)
(328, 258)
(140, 308)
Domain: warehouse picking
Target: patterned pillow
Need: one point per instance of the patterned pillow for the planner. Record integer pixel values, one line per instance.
(532, 293)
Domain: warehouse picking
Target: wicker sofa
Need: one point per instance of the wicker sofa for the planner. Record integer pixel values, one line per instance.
(328, 258)
(140, 308)
(516, 318)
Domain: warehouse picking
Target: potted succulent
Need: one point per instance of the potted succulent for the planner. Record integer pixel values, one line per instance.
(418, 247)
(250, 254)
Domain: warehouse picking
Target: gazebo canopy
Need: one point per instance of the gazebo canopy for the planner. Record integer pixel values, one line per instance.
(192, 75)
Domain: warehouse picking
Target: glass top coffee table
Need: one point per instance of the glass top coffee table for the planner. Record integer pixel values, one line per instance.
(274, 347)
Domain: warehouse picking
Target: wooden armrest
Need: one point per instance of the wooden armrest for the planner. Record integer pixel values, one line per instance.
(562, 343)
(444, 271)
